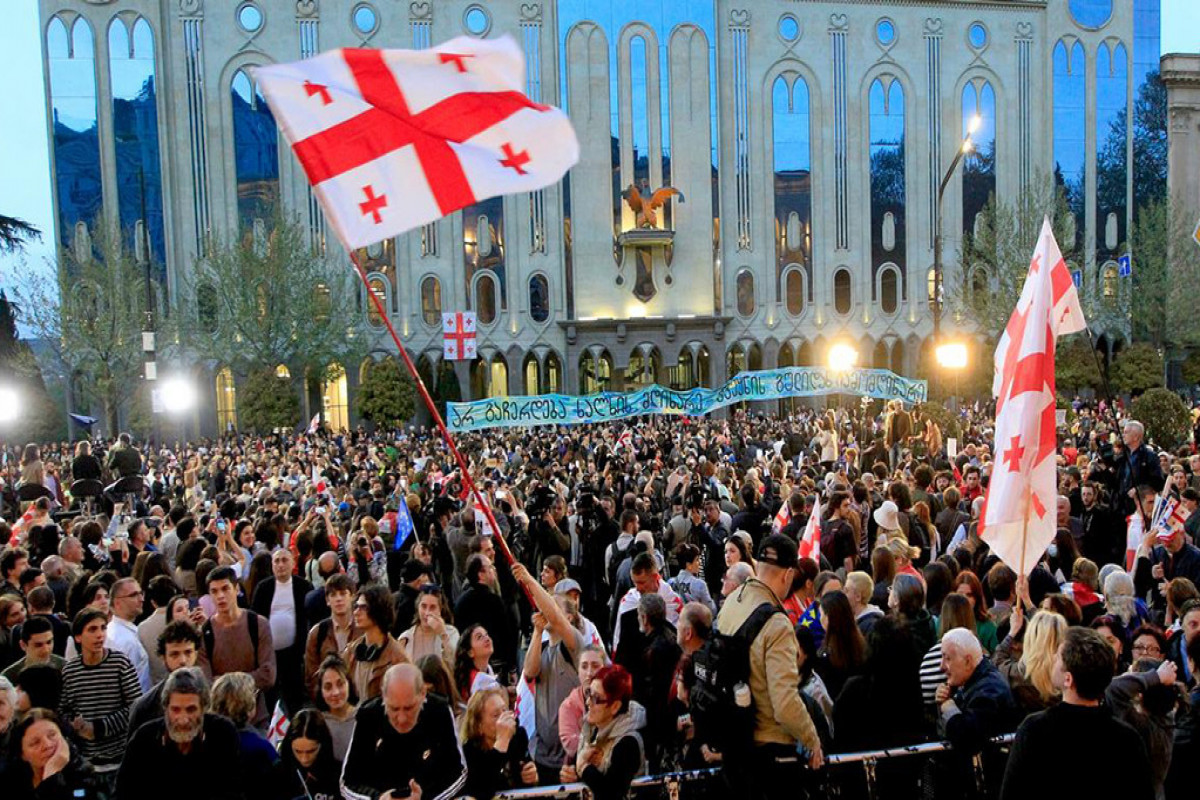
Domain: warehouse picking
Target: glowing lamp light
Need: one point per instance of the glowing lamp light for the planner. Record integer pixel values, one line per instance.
(974, 124)
(952, 355)
(177, 395)
(10, 404)
(842, 357)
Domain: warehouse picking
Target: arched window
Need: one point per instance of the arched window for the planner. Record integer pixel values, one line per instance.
(793, 285)
(932, 290)
(379, 289)
(898, 358)
(206, 307)
(226, 401)
(595, 375)
(255, 152)
(1109, 285)
(70, 58)
(483, 243)
(682, 376)
(1070, 126)
(979, 165)
(322, 301)
(533, 382)
(498, 382)
(1112, 133)
(792, 153)
(431, 301)
(745, 293)
(485, 299)
(539, 298)
(643, 369)
(281, 371)
(135, 133)
(889, 290)
(841, 291)
(334, 404)
(553, 374)
(640, 107)
(879, 359)
(888, 172)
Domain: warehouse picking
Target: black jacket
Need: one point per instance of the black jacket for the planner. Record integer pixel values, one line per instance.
(76, 781)
(490, 771)
(153, 764)
(1055, 755)
(264, 594)
(1138, 468)
(985, 709)
(480, 605)
(380, 759)
(1184, 564)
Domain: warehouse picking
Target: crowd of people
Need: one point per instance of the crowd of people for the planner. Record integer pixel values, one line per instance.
(331, 615)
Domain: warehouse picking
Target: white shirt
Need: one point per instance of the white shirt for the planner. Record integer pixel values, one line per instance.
(630, 602)
(122, 635)
(283, 616)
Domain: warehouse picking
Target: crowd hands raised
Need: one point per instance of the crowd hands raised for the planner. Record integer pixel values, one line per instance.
(263, 622)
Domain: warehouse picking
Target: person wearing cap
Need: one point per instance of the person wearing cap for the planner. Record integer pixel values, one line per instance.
(569, 587)
(1162, 556)
(781, 718)
(413, 576)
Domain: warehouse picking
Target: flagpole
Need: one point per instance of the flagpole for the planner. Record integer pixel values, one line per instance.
(463, 467)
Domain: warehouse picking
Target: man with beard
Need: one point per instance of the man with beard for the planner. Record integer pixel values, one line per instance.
(1103, 535)
(187, 741)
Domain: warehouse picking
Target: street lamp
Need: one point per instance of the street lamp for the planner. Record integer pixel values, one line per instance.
(951, 355)
(10, 405)
(966, 147)
(842, 357)
(177, 395)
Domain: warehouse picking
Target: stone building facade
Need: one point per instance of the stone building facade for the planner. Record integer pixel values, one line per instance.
(808, 139)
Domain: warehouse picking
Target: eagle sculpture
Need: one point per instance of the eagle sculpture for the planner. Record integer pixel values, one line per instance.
(645, 208)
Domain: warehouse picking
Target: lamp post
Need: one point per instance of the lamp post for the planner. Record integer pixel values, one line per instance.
(952, 356)
(842, 357)
(938, 293)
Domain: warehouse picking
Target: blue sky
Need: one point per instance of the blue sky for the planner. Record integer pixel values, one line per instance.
(25, 171)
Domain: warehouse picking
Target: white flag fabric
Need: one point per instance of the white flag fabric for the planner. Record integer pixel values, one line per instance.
(458, 335)
(394, 139)
(1019, 515)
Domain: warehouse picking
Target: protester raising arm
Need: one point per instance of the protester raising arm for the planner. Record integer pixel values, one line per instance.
(552, 619)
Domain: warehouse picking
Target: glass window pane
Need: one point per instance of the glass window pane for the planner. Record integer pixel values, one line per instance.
(977, 35)
(255, 152)
(745, 293)
(889, 291)
(250, 18)
(1070, 94)
(789, 28)
(640, 106)
(334, 402)
(841, 292)
(365, 19)
(374, 318)
(885, 31)
(485, 300)
(75, 137)
(431, 301)
(792, 154)
(888, 173)
(477, 21)
(226, 401)
(979, 165)
(1091, 13)
(135, 133)
(483, 242)
(539, 298)
(1112, 135)
(795, 293)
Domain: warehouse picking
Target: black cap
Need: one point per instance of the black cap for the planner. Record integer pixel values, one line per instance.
(413, 569)
(778, 550)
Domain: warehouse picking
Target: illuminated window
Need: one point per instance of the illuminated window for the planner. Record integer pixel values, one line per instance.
(374, 318)
(745, 293)
(841, 291)
(794, 292)
(498, 380)
(226, 401)
(485, 300)
(1109, 285)
(334, 398)
(431, 301)
(282, 371)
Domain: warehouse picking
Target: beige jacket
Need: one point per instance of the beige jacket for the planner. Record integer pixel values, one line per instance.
(780, 715)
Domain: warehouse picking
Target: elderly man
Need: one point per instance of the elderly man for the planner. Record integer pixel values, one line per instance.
(280, 599)
(858, 588)
(1138, 467)
(1067, 522)
(974, 703)
(187, 752)
(404, 744)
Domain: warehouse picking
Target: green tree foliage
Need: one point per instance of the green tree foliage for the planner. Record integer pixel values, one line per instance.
(91, 313)
(387, 396)
(266, 402)
(1164, 259)
(40, 417)
(15, 234)
(1003, 243)
(1135, 369)
(1191, 368)
(1075, 366)
(1165, 416)
(260, 302)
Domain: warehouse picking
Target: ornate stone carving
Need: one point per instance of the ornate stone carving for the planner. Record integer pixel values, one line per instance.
(839, 22)
(531, 12)
(422, 10)
(1181, 119)
(1024, 30)
(739, 18)
(933, 26)
(191, 8)
(306, 8)
(98, 2)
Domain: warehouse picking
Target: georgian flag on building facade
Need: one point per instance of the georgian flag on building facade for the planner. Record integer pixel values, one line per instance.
(458, 335)
(1019, 516)
(394, 139)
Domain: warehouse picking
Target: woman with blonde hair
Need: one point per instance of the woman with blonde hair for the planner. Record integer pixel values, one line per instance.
(494, 746)
(1029, 663)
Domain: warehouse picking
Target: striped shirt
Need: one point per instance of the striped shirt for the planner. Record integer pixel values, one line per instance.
(931, 674)
(102, 695)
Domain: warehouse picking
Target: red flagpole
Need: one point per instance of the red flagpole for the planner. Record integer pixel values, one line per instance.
(463, 467)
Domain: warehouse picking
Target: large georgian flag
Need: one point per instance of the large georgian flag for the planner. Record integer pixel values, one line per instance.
(1019, 514)
(393, 139)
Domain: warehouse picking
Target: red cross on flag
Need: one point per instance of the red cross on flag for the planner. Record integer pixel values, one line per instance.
(458, 335)
(1019, 514)
(393, 139)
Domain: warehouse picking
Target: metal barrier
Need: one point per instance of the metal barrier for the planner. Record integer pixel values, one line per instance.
(673, 781)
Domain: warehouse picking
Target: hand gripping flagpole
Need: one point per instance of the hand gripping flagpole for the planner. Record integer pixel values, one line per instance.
(463, 467)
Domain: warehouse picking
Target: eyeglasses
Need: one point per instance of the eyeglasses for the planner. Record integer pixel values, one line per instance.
(363, 606)
(1147, 649)
(591, 697)
(138, 593)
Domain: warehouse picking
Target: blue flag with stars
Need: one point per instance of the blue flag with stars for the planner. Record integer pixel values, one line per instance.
(404, 524)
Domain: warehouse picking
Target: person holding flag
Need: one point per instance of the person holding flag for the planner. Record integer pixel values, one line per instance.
(1018, 519)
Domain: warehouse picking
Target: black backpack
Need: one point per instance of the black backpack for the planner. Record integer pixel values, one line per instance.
(719, 666)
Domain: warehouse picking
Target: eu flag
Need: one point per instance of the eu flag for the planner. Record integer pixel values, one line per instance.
(404, 524)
